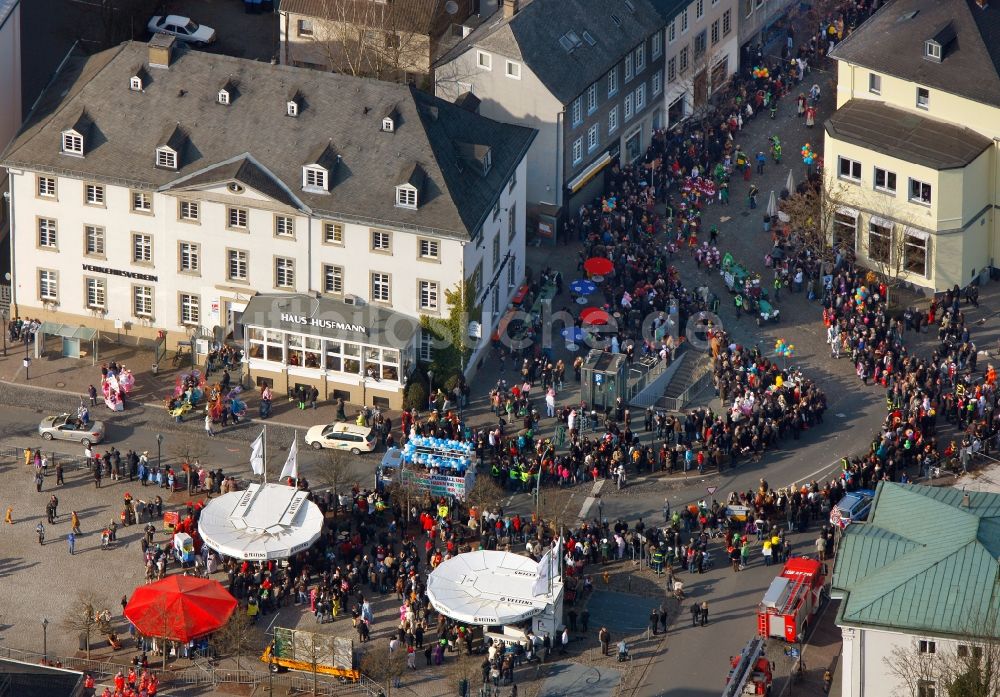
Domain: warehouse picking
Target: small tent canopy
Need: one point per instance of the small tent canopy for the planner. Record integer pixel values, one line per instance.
(71, 336)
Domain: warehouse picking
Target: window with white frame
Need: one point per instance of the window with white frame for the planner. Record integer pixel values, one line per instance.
(613, 81)
(142, 301)
(684, 21)
(429, 249)
(94, 240)
(381, 291)
(684, 60)
(406, 197)
(381, 241)
(932, 50)
(237, 265)
(333, 278)
(592, 98)
(190, 308)
(47, 187)
(874, 83)
(333, 233)
(923, 98)
(314, 178)
(477, 278)
(879, 240)
(845, 229)
(640, 97)
(382, 363)
(425, 350)
(269, 345)
(672, 32)
(885, 180)
(671, 70)
(142, 248)
(657, 44)
(727, 22)
(512, 222)
(700, 43)
(968, 651)
(920, 192)
(628, 106)
(188, 257)
(577, 111)
(915, 255)
(48, 285)
(96, 294)
(926, 688)
(284, 226)
(715, 32)
(284, 272)
(72, 143)
(657, 82)
(292, 108)
(613, 119)
(189, 210)
(47, 234)
(166, 158)
(223, 97)
(428, 295)
(236, 218)
(135, 83)
(629, 67)
(640, 58)
(94, 194)
(142, 202)
(305, 27)
(513, 70)
(578, 151)
(849, 169)
(699, 9)
(484, 60)
(592, 138)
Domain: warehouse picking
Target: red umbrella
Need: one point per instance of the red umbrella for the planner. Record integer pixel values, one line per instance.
(598, 266)
(594, 316)
(180, 607)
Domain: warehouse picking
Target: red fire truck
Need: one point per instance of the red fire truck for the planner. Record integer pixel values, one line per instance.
(791, 600)
(750, 672)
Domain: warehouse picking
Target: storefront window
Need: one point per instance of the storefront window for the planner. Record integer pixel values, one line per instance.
(352, 359)
(313, 352)
(334, 356)
(296, 357)
(274, 347)
(255, 340)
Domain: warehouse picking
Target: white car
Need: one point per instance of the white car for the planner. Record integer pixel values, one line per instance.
(184, 28)
(341, 436)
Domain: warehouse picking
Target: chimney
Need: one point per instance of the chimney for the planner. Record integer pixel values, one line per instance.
(965, 500)
(161, 49)
(510, 8)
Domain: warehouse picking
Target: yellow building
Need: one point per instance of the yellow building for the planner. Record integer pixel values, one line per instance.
(912, 154)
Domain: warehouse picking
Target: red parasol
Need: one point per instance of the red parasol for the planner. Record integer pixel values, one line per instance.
(598, 266)
(594, 316)
(180, 608)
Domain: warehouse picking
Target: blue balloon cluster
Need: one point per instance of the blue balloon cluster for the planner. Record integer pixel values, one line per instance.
(440, 453)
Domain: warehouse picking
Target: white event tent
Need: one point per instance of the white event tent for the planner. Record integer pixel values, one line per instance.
(266, 521)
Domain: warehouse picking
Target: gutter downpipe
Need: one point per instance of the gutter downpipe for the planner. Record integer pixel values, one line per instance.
(560, 150)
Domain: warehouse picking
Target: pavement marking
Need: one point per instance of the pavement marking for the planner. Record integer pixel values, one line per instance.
(840, 415)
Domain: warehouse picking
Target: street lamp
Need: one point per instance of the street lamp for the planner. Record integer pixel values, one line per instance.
(45, 639)
(4, 315)
(27, 358)
(159, 442)
(430, 389)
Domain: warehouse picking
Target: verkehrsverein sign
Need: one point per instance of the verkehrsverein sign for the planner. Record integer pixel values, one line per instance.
(322, 323)
(135, 275)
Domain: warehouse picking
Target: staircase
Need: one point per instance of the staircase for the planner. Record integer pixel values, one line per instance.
(689, 379)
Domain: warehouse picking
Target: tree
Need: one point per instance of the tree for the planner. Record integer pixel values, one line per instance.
(372, 39)
(812, 211)
(84, 617)
(450, 334)
(235, 637)
(485, 492)
(385, 668)
(189, 452)
(334, 469)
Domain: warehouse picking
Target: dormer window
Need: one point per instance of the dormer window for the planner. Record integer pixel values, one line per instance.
(406, 196)
(292, 108)
(223, 97)
(932, 51)
(135, 84)
(487, 161)
(72, 143)
(139, 79)
(314, 178)
(166, 158)
(294, 103)
(388, 124)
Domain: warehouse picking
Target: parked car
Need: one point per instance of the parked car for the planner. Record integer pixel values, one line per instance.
(66, 427)
(341, 436)
(184, 28)
(854, 507)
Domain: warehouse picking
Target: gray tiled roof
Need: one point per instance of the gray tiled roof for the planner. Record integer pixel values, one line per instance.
(892, 42)
(532, 36)
(340, 109)
(906, 135)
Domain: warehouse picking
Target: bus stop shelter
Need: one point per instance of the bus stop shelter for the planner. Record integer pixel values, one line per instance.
(72, 337)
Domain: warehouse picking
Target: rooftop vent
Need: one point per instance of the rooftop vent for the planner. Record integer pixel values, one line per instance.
(966, 502)
(908, 16)
(630, 6)
(589, 38)
(570, 41)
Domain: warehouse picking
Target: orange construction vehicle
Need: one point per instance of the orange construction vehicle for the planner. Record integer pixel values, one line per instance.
(750, 672)
(791, 600)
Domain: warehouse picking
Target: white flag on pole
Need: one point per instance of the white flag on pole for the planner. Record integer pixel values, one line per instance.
(544, 569)
(291, 468)
(257, 454)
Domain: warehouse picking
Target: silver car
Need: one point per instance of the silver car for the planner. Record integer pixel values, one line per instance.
(66, 427)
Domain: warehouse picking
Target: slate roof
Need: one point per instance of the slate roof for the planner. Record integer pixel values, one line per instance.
(906, 135)
(892, 42)
(127, 126)
(532, 37)
(923, 563)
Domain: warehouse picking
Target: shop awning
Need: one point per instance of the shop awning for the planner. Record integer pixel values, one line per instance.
(330, 318)
(580, 180)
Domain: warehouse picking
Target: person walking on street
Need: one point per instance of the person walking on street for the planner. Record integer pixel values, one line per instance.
(92, 393)
(605, 638)
(695, 614)
(8, 518)
(55, 506)
(71, 541)
(59, 474)
(40, 529)
(39, 480)
(752, 196)
(761, 161)
(704, 612)
(208, 425)
(654, 621)
(74, 520)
